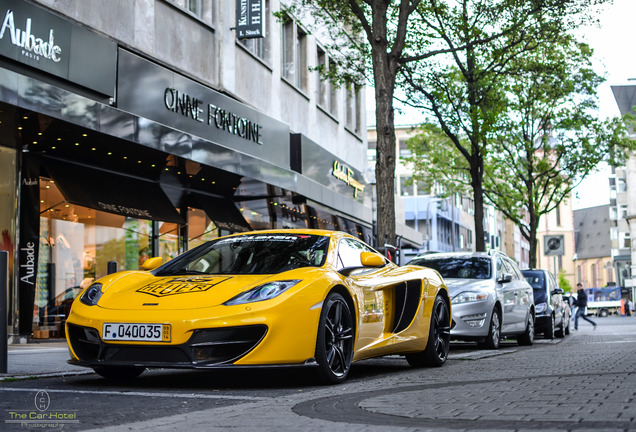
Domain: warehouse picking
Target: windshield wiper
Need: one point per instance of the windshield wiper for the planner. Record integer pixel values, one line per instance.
(181, 272)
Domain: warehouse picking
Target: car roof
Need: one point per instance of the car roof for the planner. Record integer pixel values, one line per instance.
(460, 255)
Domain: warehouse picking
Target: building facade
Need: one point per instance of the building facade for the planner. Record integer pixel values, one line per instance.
(623, 203)
(141, 128)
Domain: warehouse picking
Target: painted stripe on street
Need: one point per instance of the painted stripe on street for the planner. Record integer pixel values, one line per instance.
(143, 394)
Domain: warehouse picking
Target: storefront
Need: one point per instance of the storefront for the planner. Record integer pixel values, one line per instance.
(109, 158)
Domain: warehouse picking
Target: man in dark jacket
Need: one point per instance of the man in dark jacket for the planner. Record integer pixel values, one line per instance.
(581, 303)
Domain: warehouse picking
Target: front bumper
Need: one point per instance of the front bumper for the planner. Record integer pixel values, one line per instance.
(471, 320)
(206, 348)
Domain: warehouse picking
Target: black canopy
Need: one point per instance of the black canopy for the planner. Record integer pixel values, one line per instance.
(111, 192)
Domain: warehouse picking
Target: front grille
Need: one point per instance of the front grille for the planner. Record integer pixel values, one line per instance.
(206, 347)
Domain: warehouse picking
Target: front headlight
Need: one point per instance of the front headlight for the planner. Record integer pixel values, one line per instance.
(92, 295)
(262, 292)
(541, 307)
(469, 296)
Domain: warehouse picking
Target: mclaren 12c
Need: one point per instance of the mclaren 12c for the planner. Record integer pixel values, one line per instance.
(313, 298)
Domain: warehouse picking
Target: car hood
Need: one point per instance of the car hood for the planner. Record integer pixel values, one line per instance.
(138, 290)
(456, 286)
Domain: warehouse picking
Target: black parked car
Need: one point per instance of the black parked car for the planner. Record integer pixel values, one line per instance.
(552, 312)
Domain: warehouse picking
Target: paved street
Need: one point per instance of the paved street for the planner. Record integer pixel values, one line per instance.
(586, 381)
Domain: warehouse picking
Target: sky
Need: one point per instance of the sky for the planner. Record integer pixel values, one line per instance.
(614, 59)
(611, 42)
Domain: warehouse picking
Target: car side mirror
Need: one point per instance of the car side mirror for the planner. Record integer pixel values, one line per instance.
(151, 263)
(557, 291)
(505, 278)
(370, 259)
(367, 259)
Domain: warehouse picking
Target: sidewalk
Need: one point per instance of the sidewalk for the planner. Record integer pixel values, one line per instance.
(40, 359)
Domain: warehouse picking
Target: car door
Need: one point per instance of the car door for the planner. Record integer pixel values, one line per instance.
(509, 320)
(371, 301)
(517, 292)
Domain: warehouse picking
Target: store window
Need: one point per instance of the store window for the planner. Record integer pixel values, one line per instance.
(79, 245)
(260, 47)
(294, 54)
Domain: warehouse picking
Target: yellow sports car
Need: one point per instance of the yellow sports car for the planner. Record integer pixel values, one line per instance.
(315, 298)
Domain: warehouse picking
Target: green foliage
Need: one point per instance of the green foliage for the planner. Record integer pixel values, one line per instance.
(563, 282)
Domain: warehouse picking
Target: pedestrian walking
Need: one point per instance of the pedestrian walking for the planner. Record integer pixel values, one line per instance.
(629, 308)
(581, 303)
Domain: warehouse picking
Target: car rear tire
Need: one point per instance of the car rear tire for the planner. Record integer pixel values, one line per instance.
(527, 337)
(550, 328)
(334, 342)
(438, 344)
(494, 332)
(119, 373)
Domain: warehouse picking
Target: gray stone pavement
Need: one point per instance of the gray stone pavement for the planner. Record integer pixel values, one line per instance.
(586, 381)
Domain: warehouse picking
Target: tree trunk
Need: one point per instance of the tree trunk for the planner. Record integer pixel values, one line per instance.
(384, 70)
(476, 172)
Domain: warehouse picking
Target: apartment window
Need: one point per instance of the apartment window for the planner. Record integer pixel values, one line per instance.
(195, 7)
(424, 186)
(326, 90)
(354, 100)
(405, 151)
(613, 213)
(558, 215)
(623, 211)
(294, 54)
(260, 47)
(406, 188)
(626, 242)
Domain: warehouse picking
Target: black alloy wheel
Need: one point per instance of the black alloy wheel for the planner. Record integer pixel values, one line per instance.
(334, 344)
(494, 332)
(119, 373)
(438, 345)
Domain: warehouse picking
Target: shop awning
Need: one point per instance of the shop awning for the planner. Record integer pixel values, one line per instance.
(111, 192)
(222, 211)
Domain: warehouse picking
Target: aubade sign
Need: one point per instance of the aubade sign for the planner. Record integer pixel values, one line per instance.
(32, 36)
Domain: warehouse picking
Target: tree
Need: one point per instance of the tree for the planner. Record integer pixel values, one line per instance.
(380, 34)
(548, 137)
(464, 91)
(552, 138)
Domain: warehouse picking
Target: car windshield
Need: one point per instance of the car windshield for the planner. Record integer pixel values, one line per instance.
(537, 281)
(458, 267)
(251, 254)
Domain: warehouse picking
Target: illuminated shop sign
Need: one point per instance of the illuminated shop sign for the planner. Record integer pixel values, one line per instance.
(212, 115)
(39, 39)
(30, 45)
(345, 174)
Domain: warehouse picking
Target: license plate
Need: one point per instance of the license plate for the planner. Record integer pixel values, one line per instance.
(136, 332)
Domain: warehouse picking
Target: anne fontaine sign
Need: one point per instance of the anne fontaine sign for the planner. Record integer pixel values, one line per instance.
(212, 115)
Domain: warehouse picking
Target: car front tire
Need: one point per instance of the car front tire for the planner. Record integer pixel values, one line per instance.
(334, 342)
(438, 344)
(494, 332)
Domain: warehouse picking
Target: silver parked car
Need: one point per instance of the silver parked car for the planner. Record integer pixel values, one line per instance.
(490, 298)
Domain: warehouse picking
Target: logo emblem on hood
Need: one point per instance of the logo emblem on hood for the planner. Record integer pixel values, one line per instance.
(181, 285)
